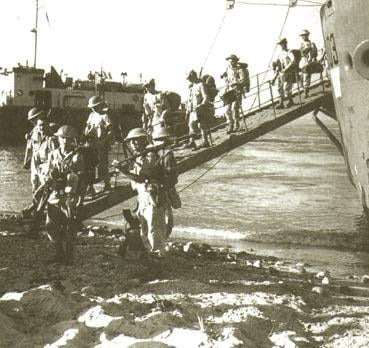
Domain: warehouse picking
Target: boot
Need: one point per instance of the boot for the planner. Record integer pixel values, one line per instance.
(59, 254)
(236, 126)
(230, 129)
(290, 102)
(107, 186)
(280, 105)
(205, 143)
(306, 92)
(68, 253)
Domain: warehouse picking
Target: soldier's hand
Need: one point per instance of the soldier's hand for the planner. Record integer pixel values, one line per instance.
(115, 164)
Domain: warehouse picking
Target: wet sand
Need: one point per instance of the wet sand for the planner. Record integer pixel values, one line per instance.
(196, 296)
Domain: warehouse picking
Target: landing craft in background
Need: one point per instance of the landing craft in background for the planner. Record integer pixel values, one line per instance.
(25, 87)
(345, 27)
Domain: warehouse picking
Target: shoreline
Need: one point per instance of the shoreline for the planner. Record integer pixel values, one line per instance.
(197, 295)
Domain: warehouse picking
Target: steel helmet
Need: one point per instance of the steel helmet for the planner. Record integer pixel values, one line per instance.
(33, 113)
(66, 132)
(161, 133)
(192, 74)
(53, 127)
(95, 101)
(233, 57)
(149, 83)
(136, 133)
(305, 32)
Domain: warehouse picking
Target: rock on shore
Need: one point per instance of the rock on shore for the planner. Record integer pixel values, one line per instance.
(195, 296)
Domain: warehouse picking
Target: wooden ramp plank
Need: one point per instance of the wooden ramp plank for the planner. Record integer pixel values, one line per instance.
(258, 124)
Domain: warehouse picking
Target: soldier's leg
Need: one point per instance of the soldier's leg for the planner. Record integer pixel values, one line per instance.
(169, 219)
(55, 221)
(104, 166)
(288, 92)
(236, 114)
(144, 229)
(307, 81)
(192, 126)
(281, 92)
(35, 181)
(229, 117)
(156, 228)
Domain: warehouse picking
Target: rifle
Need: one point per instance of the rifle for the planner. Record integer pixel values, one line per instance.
(123, 165)
(28, 154)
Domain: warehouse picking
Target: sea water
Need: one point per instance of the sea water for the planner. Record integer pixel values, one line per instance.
(286, 194)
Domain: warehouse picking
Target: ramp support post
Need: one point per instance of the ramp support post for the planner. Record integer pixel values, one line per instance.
(258, 89)
(272, 99)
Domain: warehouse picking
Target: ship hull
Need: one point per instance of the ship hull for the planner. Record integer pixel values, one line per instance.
(345, 27)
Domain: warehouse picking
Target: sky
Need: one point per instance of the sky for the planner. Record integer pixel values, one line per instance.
(161, 39)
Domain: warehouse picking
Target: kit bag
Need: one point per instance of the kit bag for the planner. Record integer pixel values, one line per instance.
(174, 199)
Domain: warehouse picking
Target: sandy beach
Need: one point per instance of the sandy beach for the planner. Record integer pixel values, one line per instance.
(195, 296)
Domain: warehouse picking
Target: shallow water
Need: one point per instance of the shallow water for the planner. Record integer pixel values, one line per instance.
(286, 194)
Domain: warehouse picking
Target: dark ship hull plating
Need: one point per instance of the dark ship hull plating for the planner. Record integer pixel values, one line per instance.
(345, 27)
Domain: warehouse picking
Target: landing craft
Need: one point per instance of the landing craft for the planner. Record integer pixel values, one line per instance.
(345, 26)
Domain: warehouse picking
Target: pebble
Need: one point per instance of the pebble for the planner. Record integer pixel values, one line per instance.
(187, 247)
(318, 289)
(325, 281)
(91, 234)
(257, 264)
(365, 279)
(320, 275)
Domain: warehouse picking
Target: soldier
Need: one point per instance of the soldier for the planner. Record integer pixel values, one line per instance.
(65, 166)
(196, 107)
(235, 77)
(99, 130)
(145, 176)
(286, 70)
(169, 178)
(155, 107)
(39, 144)
(309, 53)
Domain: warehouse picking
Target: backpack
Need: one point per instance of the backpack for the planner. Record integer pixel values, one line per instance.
(210, 87)
(297, 55)
(174, 100)
(246, 82)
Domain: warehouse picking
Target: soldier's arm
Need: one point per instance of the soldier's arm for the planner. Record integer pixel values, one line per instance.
(168, 171)
(205, 98)
(290, 64)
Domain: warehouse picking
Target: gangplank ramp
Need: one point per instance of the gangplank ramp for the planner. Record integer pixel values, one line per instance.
(258, 123)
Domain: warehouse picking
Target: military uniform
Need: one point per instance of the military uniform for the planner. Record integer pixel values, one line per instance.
(286, 75)
(64, 171)
(152, 202)
(168, 164)
(98, 129)
(154, 104)
(308, 55)
(235, 78)
(196, 99)
(41, 145)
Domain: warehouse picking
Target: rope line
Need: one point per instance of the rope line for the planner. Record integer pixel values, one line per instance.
(205, 172)
(275, 4)
(214, 41)
(271, 59)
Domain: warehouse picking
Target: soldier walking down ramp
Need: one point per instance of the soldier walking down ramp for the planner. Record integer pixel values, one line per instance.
(155, 107)
(151, 194)
(39, 144)
(65, 166)
(286, 70)
(236, 77)
(169, 176)
(196, 104)
(99, 130)
(309, 53)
